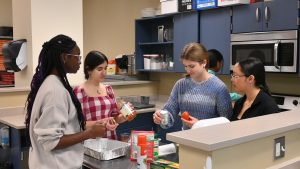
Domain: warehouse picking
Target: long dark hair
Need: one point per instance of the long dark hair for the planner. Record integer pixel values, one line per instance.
(49, 59)
(254, 66)
(92, 60)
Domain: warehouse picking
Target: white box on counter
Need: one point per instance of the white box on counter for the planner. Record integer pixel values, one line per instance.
(232, 2)
(169, 6)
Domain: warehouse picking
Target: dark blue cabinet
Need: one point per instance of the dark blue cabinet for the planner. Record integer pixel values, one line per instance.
(185, 31)
(214, 32)
(16, 155)
(182, 29)
(143, 121)
(265, 16)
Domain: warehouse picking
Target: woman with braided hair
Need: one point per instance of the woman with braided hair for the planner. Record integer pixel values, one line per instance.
(54, 116)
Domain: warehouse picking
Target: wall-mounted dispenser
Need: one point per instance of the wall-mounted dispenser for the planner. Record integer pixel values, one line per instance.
(15, 55)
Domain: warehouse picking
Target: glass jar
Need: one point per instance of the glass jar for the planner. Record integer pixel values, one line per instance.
(127, 111)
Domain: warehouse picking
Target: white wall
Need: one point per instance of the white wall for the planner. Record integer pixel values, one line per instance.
(40, 20)
(109, 26)
(6, 13)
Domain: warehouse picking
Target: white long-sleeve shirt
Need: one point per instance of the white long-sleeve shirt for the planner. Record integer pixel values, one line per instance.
(53, 115)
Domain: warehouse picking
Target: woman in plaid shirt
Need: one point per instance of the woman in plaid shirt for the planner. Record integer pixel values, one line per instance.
(98, 100)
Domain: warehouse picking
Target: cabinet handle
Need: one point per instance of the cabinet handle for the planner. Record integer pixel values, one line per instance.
(275, 61)
(257, 14)
(267, 11)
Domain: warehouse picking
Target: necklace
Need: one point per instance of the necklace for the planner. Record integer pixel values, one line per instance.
(98, 91)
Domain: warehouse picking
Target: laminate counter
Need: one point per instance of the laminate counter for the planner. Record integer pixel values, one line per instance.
(246, 144)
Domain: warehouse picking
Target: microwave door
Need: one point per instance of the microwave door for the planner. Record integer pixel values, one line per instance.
(277, 56)
(264, 50)
(287, 56)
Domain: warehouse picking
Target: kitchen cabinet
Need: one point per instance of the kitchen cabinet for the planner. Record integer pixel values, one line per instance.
(143, 121)
(16, 155)
(185, 31)
(265, 16)
(178, 30)
(214, 33)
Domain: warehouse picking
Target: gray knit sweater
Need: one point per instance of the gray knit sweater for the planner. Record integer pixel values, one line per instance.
(203, 100)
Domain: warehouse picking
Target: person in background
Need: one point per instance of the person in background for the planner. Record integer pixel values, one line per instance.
(98, 100)
(215, 61)
(215, 65)
(54, 117)
(199, 93)
(248, 77)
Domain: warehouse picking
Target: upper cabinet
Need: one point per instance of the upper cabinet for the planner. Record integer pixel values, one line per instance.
(214, 33)
(265, 16)
(159, 41)
(185, 31)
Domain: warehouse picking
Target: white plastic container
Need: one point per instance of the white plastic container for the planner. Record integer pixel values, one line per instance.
(169, 6)
(146, 61)
(155, 62)
(232, 2)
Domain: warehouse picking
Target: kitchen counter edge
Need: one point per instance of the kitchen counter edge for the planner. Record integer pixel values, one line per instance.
(219, 136)
(115, 83)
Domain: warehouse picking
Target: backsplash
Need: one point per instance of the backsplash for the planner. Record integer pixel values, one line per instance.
(278, 83)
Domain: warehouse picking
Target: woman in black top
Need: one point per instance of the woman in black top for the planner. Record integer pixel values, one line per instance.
(248, 78)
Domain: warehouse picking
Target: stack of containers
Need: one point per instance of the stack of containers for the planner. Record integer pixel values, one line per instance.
(152, 61)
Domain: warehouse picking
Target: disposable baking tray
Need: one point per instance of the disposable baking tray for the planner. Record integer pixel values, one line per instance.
(105, 149)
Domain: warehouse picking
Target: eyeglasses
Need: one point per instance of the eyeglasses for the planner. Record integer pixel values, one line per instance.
(78, 56)
(236, 76)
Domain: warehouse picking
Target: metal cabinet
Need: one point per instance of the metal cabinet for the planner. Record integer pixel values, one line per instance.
(265, 16)
(214, 33)
(182, 29)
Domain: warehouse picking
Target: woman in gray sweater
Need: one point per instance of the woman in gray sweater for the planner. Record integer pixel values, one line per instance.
(199, 93)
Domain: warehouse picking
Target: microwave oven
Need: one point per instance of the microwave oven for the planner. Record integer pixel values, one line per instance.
(277, 50)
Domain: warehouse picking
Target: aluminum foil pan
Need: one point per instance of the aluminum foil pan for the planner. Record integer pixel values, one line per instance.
(105, 149)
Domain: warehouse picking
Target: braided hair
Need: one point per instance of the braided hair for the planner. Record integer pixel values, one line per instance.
(49, 59)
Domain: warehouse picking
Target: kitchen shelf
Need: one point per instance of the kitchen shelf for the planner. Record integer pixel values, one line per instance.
(148, 40)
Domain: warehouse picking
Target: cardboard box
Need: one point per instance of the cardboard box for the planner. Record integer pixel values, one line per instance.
(232, 2)
(169, 6)
(205, 4)
(186, 5)
(134, 144)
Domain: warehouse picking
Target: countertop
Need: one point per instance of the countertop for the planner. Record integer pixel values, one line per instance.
(224, 135)
(119, 163)
(15, 116)
(113, 83)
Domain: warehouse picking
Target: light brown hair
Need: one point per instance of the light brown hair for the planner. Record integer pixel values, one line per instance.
(195, 52)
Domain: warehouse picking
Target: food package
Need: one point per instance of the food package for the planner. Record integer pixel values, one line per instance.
(134, 146)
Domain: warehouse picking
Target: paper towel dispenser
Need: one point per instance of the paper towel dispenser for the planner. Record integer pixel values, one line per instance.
(15, 55)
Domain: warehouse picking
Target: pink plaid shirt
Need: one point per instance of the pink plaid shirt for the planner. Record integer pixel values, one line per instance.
(96, 108)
